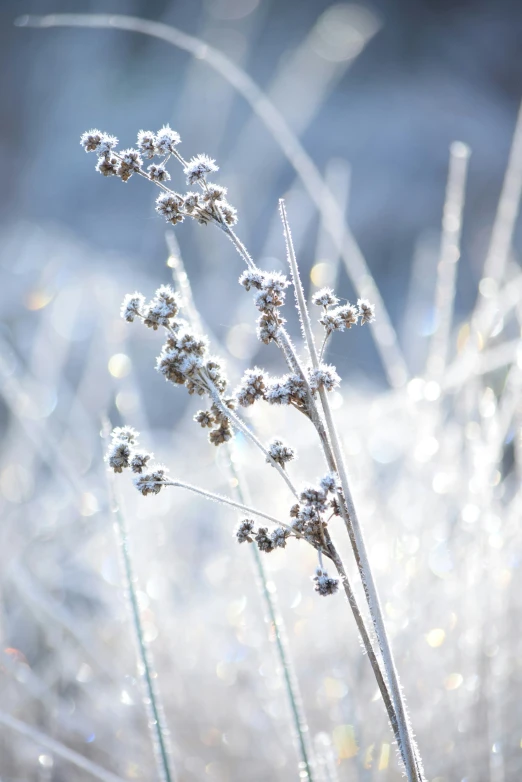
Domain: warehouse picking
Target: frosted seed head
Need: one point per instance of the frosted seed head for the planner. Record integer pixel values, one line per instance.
(166, 141)
(107, 166)
(279, 537)
(325, 585)
(263, 540)
(325, 298)
(125, 434)
(118, 455)
(198, 167)
(91, 140)
(221, 435)
(366, 311)
(251, 279)
(147, 143)
(132, 306)
(280, 453)
(244, 531)
(153, 481)
(158, 173)
(204, 419)
(348, 313)
(324, 377)
(170, 205)
(139, 460)
(329, 483)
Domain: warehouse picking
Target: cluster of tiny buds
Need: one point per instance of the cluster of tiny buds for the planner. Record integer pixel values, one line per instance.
(290, 389)
(269, 296)
(325, 585)
(337, 317)
(184, 359)
(314, 501)
(280, 453)
(266, 541)
(124, 453)
(206, 206)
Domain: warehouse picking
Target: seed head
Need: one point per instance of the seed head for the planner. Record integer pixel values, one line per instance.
(126, 434)
(169, 205)
(263, 540)
(324, 377)
(107, 144)
(244, 531)
(329, 483)
(366, 311)
(118, 455)
(221, 435)
(132, 306)
(325, 298)
(252, 387)
(280, 452)
(251, 279)
(107, 166)
(166, 141)
(139, 460)
(158, 173)
(198, 167)
(325, 585)
(279, 537)
(91, 140)
(204, 418)
(152, 482)
(147, 143)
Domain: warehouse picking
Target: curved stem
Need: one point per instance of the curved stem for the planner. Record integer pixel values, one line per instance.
(220, 498)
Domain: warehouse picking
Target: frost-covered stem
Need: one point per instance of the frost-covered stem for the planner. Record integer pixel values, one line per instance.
(156, 725)
(277, 624)
(365, 638)
(220, 498)
(407, 745)
(238, 244)
(238, 423)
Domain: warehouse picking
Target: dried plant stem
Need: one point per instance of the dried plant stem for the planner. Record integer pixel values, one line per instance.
(156, 724)
(243, 428)
(277, 625)
(291, 356)
(407, 745)
(220, 498)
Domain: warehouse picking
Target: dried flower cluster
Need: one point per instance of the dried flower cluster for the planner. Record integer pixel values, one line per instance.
(208, 205)
(123, 453)
(185, 360)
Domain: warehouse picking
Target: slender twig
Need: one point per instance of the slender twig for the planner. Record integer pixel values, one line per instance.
(285, 343)
(407, 745)
(220, 498)
(157, 726)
